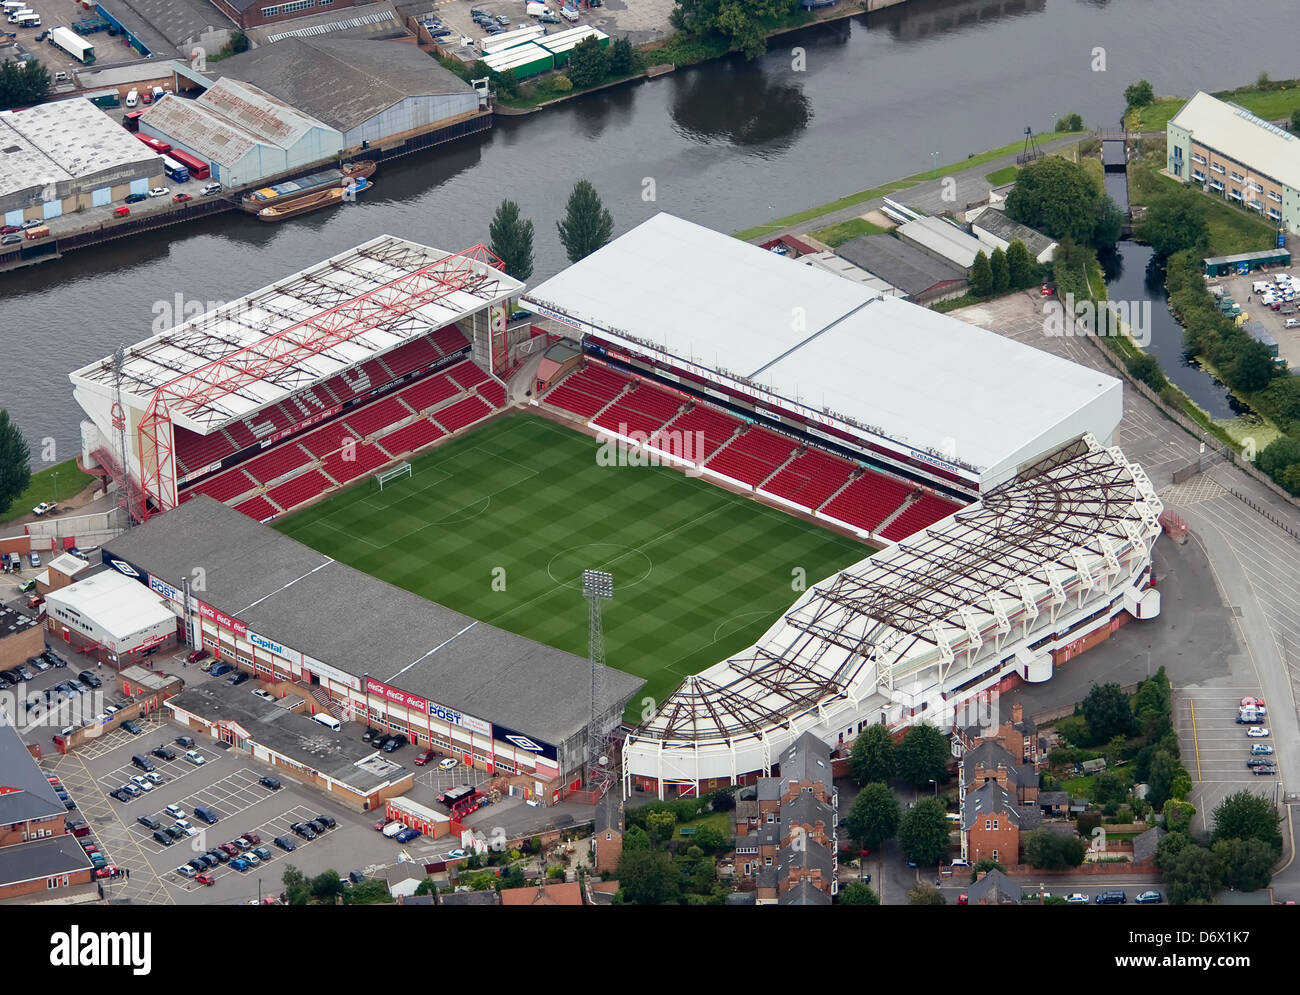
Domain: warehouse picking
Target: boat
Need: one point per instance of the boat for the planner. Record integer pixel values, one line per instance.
(302, 205)
(280, 194)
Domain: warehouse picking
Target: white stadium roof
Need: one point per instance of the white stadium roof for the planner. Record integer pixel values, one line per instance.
(898, 371)
(931, 613)
(252, 352)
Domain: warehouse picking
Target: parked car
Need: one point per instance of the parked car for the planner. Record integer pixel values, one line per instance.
(149, 822)
(503, 20)
(33, 223)
(10, 239)
(1266, 769)
(210, 189)
(406, 835)
(218, 669)
(131, 790)
(456, 854)
(1112, 897)
(121, 211)
(195, 757)
(240, 864)
(220, 856)
(154, 777)
(175, 811)
(303, 830)
(423, 758)
(448, 763)
(1257, 732)
(1261, 749)
(186, 871)
(163, 753)
(141, 782)
(196, 656)
(238, 677)
(135, 198)
(285, 844)
(269, 782)
(229, 849)
(160, 191)
(253, 839)
(369, 735)
(204, 878)
(162, 837)
(1076, 898)
(1148, 898)
(133, 727)
(263, 853)
(325, 820)
(181, 198)
(1254, 762)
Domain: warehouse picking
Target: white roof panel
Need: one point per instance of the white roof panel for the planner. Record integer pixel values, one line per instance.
(114, 602)
(903, 372)
(1235, 131)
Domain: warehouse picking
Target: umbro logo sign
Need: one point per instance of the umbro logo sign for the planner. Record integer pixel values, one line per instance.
(524, 743)
(121, 566)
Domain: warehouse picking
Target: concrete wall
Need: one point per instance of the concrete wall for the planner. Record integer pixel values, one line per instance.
(411, 116)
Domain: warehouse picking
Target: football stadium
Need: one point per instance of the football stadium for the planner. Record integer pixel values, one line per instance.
(822, 508)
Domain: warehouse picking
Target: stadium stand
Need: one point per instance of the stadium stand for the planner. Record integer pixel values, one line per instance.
(409, 438)
(751, 457)
(919, 515)
(365, 457)
(716, 426)
(370, 419)
(294, 492)
(258, 508)
(468, 375)
(643, 409)
(424, 394)
(810, 478)
(868, 500)
(456, 416)
(494, 393)
(224, 486)
(449, 340)
(276, 463)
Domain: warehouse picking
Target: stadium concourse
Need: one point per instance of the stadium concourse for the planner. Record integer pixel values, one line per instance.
(300, 388)
(875, 415)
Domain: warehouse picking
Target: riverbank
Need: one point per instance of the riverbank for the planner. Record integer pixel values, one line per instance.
(1273, 100)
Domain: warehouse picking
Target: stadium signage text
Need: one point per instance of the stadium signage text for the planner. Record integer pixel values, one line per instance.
(223, 620)
(564, 319)
(266, 644)
(333, 673)
(396, 695)
(165, 589)
(927, 458)
(455, 718)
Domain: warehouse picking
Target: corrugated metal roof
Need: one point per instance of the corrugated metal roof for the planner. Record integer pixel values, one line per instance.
(1235, 131)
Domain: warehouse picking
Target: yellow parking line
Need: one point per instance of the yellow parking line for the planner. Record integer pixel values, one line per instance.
(1196, 746)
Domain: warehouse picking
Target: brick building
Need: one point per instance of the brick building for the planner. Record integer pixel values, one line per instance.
(37, 853)
(992, 822)
(20, 637)
(250, 13)
(607, 842)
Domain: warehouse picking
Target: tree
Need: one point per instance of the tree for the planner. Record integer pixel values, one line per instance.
(15, 472)
(1152, 705)
(1248, 864)
(587, 224)
(622, 57)
(295, 885)
(874, 816)
(984, 866)
(635, 839)
(872, 756)
(1170, 846)
(1273, 459)
(1020, 267)
(1058, 197)
(511, 238)
(1139, 94)
(368, 892)
(1246, 816)
(1051, 851)
(238, 42)
(923, 832)
(1174, 222)
(1071, 122)
(427, 887)
(1109, 788)
(327, 886)
(1295, 119)
(740, 22)
(1107, 712)
(1109, 225)
(857, 893)
(1254, 367)
(1001, 272)
(923, 755)
(1146, 368)
(1194, 874)
(1178, 815)
(561, 83)
(1087, 822)
(709, 839)
(23, 83)
(588, 62)
(981, 276)
(1165, 767)
(647, 877)
(660, 826)
(926, 894)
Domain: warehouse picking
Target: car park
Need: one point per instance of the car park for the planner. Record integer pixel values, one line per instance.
(285, 844)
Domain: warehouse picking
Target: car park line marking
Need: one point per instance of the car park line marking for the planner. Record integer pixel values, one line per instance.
(1196, 746)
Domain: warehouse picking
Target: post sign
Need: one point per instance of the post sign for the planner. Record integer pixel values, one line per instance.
(457, 718)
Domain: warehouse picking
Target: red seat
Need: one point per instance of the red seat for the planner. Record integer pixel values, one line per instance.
(364, 459)
(370, 419)
(468, 374)
(257, 508)
(449, 339)
(226, 485)
(457, 416)
(715, 426)
(921, 514)
(424, 394)
(409, 438)
(494, 393)
(811, 478)
(194, 451)
(301, 488)
(868, 501)
(277, 462)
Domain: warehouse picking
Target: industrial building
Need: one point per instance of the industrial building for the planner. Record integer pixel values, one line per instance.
(251, 13)
(993, 227)
(943, 240)
(919, 277)
(68, 155)
(246, 134)
(363, 650)
(164, 28)
(21, 637)
(1227, 151)
(111, 617)
(376, 92)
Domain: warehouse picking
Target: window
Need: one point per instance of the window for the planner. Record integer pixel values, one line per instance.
(767, 861)
(1237, 176)
(1215, 167)
(1198, 176)
(995, 855)
(995, 823)
(609, 836)
(988, 823)
(1198, 159)
(771, 818)
(1275, 214)
(1275, 196)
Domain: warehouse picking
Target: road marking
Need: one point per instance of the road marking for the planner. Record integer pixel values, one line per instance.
(1196, 746)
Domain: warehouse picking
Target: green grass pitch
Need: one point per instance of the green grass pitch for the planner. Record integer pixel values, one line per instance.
(522, 504)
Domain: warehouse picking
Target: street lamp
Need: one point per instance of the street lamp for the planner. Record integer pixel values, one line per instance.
(934, 162)
(936, 787)
(56, 486)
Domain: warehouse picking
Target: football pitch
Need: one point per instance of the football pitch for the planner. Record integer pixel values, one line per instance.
(499, 524)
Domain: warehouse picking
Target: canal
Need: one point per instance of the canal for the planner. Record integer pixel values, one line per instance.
(728, 144)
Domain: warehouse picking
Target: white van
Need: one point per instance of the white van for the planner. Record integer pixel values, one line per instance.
(12, 6)
(392, 829)
(328, 721)
(132, 98)
(1259, 287)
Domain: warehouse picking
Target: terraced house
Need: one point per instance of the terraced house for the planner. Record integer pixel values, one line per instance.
(1229, 152)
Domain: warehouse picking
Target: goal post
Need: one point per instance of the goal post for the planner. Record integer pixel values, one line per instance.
(392, 473)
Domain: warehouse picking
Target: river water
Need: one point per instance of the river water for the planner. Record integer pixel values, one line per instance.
(729, 144)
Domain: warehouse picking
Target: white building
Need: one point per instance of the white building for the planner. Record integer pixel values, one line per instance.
(114, 612)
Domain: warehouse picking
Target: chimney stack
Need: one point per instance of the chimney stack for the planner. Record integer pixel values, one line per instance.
(1017, 712)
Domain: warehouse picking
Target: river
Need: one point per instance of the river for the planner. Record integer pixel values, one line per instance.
(728, 144)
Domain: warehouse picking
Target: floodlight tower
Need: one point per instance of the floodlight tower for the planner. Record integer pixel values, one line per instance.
(119, 422)
(597, 586)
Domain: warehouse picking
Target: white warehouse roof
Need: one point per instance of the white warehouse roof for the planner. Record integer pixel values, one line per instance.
(944, 239)
(1249, 139)
(891, 368)
(115, 603)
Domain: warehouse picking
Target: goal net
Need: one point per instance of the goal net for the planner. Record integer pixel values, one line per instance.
(392, 473)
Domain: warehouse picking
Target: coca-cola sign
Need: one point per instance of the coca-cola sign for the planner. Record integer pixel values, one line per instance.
(222, 619)
(396, 695)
